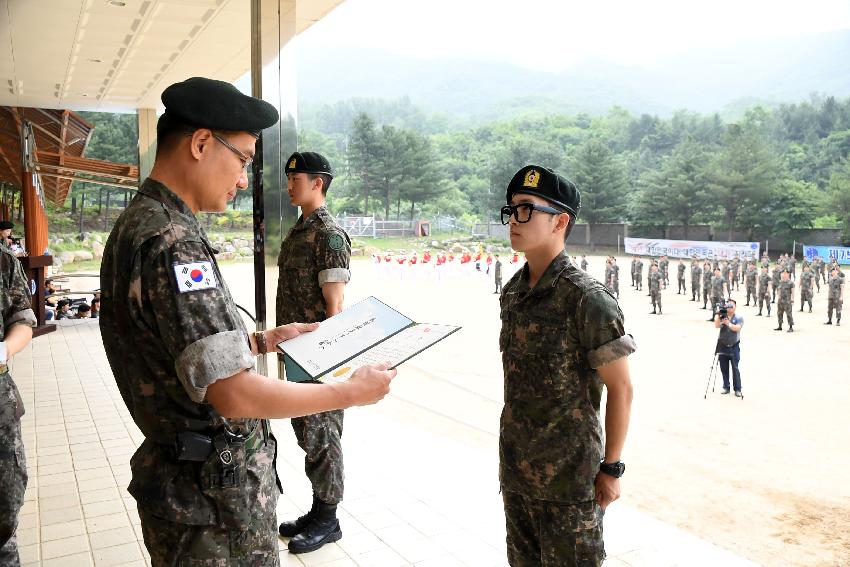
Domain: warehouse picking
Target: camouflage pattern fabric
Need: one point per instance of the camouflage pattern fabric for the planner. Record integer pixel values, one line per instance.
(542, 533)
(750, 278)
(553, 337)
(663, 266)
(639, 274)
(170, 329)
(785, 301)
(584, 264)
(696, 275)
(615, 279)
(776, 278)
(315, 251)
(15, 309)
(834, 301)
(707, 276)
(717, 283)
(764, 291)
(681, 278)
(733, 273)
(633, 270)
(806, 288)
(497, 276)
(655, 281)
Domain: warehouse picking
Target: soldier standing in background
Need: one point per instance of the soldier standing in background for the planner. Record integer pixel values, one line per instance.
(775, 279)
(717, 284)
(664, 265)
(639, 274)
(806, 292)
(733, 273)
(706, 284)
(497, 274)
(615, 276)
(696, 272)
(764, 290)
(16, 322)
(584, 262)
(655, 279)
(785, 305)
(680, 278)
(633, 269)
(751, 276)
(835, 299)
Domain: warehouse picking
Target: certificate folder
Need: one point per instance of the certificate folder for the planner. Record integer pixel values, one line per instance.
(368, 332)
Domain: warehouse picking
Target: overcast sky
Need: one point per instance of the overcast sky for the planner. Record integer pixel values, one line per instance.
(552, 34)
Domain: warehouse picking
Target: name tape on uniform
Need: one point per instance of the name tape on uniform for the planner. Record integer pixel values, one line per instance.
(195, 276)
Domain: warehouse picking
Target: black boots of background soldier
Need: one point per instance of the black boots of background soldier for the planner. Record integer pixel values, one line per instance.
(314, 529)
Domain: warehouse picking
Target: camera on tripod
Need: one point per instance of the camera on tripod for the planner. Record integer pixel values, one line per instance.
(721, 309)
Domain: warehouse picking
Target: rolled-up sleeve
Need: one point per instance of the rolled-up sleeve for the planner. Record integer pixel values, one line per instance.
(601, 329)
(333, 257)
(200, 328)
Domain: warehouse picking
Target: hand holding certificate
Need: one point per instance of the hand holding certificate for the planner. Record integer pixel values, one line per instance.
(368, 332)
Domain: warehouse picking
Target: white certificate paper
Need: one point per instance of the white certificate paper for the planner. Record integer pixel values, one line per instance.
(368, 332)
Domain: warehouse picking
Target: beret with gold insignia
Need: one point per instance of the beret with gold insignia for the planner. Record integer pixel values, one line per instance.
(308, 162)
(544, 183)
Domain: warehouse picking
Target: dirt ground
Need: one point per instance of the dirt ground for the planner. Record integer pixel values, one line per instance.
(765, 477)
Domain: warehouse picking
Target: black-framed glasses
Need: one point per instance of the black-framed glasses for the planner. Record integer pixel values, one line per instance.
(246, 160)
(522, 212)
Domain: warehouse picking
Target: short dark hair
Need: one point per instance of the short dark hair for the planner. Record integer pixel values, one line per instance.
(326, 180)
(733, 301)
(168, 132)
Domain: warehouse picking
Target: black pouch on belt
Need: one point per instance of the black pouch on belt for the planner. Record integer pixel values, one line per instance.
(223, 479)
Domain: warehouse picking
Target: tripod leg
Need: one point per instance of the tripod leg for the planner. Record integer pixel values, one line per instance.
(713, 365)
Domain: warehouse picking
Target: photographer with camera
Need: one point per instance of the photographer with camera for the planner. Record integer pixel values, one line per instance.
(729, 343)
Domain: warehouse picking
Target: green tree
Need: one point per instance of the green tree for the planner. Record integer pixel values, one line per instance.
(362, 159)
(601, 179)
(839, 197)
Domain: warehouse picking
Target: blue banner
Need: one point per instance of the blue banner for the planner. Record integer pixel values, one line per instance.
(827, 253)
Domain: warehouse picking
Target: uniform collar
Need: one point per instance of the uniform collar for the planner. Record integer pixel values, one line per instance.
(550, 275)
(159, 192)
(314, 216)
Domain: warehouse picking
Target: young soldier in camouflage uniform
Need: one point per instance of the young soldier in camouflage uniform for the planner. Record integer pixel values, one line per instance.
(639, 274)
(680, 277)
(584, 262)
(764, 290)
(751, 277)
(203, 478)
(835, 300)
(497, 275)
(562, 338)
(313, 267)
(806, 292)
(725, 271)
(633, 269)
(706, 283)
(615, 277)
(717, 284)
(775, 279)
(733, 273)
(817, 266)
(16, 322)
(655, 279)
(652, 262)
(696, 273)
(609, 273)
(785, 305)
(664, 265)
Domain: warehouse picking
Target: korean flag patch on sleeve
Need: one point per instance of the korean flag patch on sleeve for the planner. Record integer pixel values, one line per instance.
(195, 276)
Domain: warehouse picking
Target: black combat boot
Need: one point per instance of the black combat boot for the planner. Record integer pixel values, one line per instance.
(779, 328)
(292, 529)
(838, 322)
(790, 328)
(829, 322)
(759, 313)
(323, 528)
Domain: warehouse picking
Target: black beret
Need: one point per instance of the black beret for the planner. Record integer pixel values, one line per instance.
(83, 308)
(6, 224)
(544, 183)
(217, 105)
(308, 162)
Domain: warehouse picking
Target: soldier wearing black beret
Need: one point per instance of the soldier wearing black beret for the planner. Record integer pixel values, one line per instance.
(5, 232)
(562, 339)
(183, 360)
(314, 267)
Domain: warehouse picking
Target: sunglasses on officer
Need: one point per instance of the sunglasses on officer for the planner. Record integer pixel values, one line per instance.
(522, 212)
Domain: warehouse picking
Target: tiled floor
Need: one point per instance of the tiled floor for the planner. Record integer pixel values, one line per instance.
(421, 487)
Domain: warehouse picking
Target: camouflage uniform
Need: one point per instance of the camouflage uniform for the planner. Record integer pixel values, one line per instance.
(639, 274)
(785, 303)
(655, 290)
(717, 283)
(584, 263)
(315, 251)
(681, 279)
(764, 292)
(834, 300)
(816, 268)
(609, 275)
(553, 337)
(15, 309)
(170, 329)
(725, 273)
(751, 277)
(497, 275)
(633, 270)
(806, 293)
(733, 274)
(615, 279)
(663, 266)
(696, 274)
(775, 279)
(707, 276)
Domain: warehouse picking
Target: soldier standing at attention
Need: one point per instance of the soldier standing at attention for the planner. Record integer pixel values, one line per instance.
(562, 339)
(652, 262)
(764, 290)
(609, 280)
(313, 268)
(775, 279)
(633, 269)
(717, 284)
(497, 274)
(663, 266)
(733, 273)
(639, 274)
(681, 278)
(785, 305)
(615, 276)
(696, 273)
(655, 279)
(835, 300)
(203, 478)
(751, 276)
(584, 262)
(706, 284)
(16, 322)
(816, 270)
(806, 292)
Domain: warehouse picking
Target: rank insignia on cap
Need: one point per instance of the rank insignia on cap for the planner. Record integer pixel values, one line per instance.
(292, 164)
(532, 178)
(336, 242)
(195, 276)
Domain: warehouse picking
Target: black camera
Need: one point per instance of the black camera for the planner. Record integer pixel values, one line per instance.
(722, 310)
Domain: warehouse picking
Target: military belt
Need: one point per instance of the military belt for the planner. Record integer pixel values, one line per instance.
(192, 446)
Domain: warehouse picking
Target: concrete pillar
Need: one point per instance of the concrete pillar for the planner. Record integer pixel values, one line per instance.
(147, 140)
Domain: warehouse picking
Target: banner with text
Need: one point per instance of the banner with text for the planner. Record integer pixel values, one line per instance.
(690, 248)
(827, 253)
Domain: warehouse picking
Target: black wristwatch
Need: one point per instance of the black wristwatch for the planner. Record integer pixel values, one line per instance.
(615, 469)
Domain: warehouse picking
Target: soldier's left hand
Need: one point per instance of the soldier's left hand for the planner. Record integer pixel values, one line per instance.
(286, 332)
(607, 489)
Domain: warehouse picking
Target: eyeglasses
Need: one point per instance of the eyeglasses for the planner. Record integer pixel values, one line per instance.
(522, 212)
(246, 160)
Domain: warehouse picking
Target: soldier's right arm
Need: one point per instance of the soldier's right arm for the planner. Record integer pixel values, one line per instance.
(16, 306)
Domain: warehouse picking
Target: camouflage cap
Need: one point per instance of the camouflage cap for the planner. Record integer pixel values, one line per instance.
(544, 183)
(308, 162)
